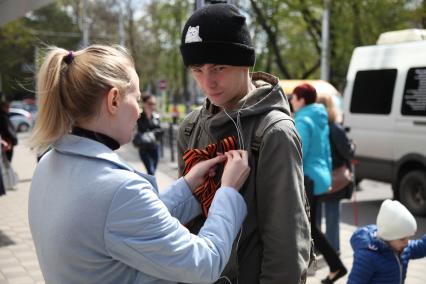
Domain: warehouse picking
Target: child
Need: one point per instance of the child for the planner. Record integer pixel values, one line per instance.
(382, 251)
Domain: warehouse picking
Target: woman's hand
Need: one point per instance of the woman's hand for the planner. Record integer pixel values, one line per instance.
(195, 177)
(5, 145)
(236, 170)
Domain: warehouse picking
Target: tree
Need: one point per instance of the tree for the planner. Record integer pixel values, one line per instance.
(20, 39)
(291, 40)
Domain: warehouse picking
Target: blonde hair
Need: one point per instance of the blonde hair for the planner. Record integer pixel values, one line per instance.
(70, 86)
(327, 101)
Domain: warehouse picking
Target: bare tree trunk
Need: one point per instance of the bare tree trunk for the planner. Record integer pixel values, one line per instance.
(131, 33)
(357, 40)
(313, 26)
(272, 39)
(311, 70)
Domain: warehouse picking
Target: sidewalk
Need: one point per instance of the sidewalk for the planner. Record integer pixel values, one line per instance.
(18, 261)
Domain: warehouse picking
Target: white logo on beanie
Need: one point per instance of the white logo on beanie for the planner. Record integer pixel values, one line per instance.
(394, 221)
(193, 35)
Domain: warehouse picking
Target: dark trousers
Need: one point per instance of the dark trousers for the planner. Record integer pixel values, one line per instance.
(320, 241)
(2, 189)
(150, 158)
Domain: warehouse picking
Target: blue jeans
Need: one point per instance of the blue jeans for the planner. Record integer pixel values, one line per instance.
(150, 159)
(332, 221)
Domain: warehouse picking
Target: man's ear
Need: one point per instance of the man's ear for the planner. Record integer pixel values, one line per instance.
(113, 100)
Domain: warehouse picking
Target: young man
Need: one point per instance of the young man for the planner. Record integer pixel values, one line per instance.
(382, 251)
(246, 111)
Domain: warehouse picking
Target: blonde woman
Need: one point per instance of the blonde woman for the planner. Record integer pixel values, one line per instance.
(342, 152)
(92, 217)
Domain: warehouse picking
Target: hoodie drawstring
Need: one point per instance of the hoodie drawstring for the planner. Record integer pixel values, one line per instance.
(238, 125)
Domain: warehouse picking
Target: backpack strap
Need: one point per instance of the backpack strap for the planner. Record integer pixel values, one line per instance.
(192, 121)
(269, 120)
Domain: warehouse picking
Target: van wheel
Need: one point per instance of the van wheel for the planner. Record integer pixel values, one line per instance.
(23, 127)
(412, 192)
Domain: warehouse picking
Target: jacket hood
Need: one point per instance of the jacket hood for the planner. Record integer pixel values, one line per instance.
(267, 96)
(366, 238)
(316, 112)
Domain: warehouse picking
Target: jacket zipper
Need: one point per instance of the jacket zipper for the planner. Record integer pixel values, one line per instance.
(400, 267)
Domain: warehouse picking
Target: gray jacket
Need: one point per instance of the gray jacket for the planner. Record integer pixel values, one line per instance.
(274, 244)
(95, 220)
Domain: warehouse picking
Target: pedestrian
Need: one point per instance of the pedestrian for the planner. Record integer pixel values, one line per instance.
(244, 110)
(342, 153)
(7, 131)
(93, 218)
(312, 124)
(150, 131)
(2, 187)
(382, 251)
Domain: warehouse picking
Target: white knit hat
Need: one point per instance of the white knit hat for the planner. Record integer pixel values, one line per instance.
(394, 221)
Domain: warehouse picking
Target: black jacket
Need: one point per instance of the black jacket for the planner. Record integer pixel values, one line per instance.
(7, 131)
(342, 150)
(145, 124)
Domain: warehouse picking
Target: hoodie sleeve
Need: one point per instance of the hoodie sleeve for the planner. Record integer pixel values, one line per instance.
(418, 248)
(283, 224)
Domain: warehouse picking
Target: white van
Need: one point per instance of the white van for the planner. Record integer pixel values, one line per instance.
(385, 114)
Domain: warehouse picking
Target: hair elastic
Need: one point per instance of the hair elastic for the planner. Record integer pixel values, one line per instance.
(69, 57)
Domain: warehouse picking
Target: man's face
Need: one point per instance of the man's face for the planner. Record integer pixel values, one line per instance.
(296, 103)
(224, 85)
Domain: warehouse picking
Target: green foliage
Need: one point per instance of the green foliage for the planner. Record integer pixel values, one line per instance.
(297, 26)
(286, 33)
(22, 38)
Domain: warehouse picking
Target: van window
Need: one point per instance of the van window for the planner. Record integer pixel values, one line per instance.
(414, 99)
(373, 91)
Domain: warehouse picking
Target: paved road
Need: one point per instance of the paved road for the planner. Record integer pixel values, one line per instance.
(18, 262)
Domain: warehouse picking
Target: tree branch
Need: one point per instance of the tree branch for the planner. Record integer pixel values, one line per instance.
(272, 39)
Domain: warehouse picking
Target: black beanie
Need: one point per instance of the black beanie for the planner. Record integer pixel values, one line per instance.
(217, 34)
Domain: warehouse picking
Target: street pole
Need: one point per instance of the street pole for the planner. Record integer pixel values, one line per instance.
(121, 27)
(199, 4)
(85, 25)
(325, 42)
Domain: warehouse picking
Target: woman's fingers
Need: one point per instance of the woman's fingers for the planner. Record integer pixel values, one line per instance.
(234, 175)
(236, 170)
(197, 174)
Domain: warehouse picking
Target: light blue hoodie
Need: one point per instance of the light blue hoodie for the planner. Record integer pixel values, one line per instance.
(312, 125)
(95, 220)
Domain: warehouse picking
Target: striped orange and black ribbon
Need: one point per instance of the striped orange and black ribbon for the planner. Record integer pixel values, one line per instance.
(206, 191)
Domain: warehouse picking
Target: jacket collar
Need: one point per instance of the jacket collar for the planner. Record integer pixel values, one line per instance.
(82, 146)
(366, 238)
(85, 147)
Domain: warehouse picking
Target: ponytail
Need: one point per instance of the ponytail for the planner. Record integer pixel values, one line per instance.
(70, 86)
(52, 119)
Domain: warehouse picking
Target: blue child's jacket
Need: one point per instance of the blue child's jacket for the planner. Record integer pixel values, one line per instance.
(375, 261)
